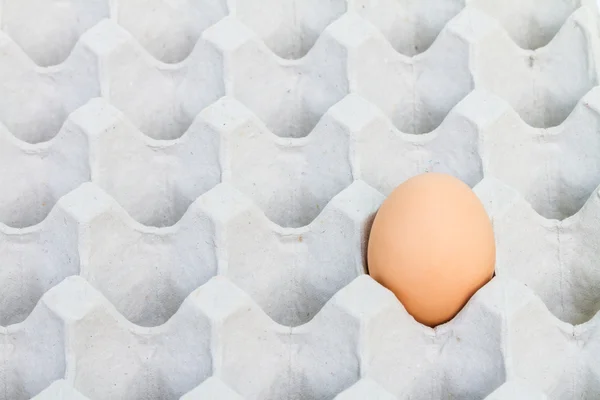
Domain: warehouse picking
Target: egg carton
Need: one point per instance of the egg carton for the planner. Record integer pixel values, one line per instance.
(89, 233)
(514, 389)
(363, 331)
(215, 165)
(213, 389)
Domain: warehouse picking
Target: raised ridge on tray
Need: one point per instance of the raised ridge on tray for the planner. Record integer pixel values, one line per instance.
(542, 85)
(374, 333)
(553, 257)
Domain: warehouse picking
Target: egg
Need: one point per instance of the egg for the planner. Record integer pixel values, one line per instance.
(432, 244)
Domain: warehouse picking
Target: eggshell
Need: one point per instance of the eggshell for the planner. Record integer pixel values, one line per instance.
(432, 244)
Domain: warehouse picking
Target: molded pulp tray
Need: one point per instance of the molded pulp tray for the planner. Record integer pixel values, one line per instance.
(188, 187)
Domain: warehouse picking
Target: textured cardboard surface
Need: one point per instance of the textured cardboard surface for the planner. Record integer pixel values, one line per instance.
(189, 187)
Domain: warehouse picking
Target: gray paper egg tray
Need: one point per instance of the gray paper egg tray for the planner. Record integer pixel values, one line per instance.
(188, 188)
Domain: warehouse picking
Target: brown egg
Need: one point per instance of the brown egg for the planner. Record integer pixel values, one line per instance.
(432, 244)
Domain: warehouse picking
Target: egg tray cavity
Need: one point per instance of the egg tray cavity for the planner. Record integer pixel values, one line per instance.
(190, 185)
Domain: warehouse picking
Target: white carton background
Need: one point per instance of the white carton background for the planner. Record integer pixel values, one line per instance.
(188, 188)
